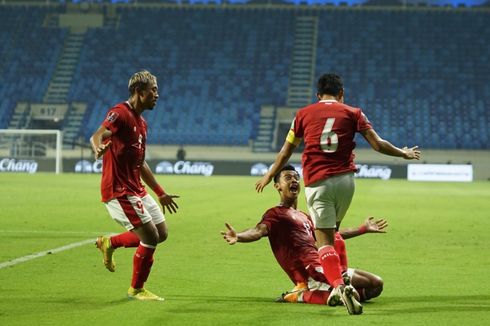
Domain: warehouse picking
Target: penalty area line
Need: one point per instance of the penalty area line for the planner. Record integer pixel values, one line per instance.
(44, 253)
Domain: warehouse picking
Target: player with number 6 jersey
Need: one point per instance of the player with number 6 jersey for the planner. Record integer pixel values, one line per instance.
(328, 129)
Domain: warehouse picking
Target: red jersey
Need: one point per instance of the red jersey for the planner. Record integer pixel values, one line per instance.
(121, 167)
(328, 129)
(292, 241)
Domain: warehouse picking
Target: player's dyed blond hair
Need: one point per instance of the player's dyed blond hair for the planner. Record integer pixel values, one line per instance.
(140, 80)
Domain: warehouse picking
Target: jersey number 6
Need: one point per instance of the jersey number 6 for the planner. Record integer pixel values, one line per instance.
(329, 139)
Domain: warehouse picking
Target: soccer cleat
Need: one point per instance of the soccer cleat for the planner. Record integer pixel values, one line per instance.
(104, 245)
(346, 278)
(143, 295)
(293, 296)
(349, 300)
(335, 297)
(347, 281)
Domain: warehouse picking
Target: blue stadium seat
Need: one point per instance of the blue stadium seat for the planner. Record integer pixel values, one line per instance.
(217, 66)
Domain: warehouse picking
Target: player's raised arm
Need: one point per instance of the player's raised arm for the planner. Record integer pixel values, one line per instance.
(370, 225)
(249, 235)
(281, 159)
(97, 141)
(387, 148)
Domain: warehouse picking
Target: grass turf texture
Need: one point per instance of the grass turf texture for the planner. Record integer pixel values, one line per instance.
(434, 259)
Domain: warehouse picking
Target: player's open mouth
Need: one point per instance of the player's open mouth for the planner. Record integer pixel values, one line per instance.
(294, 188)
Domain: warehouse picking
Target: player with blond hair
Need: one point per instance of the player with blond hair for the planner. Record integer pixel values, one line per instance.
(121, 142)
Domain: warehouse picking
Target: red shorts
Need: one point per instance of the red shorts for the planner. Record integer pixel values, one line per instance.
(307, 267)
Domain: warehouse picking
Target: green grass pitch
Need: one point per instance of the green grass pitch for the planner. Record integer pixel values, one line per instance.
(435, 258)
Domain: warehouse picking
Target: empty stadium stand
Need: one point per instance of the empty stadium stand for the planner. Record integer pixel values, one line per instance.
(421, 74)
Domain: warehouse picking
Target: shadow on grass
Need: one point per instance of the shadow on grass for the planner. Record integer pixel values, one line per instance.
(432, 304)
(211, 298)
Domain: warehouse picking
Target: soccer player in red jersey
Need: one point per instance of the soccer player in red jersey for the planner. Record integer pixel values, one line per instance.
(291, 237)
(121, 141)
(328, 128)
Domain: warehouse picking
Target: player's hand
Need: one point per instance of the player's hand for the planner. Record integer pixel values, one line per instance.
(376, 226)
(99, 151)
(412, 153)
(167, 201)
(229, 235)
(260, 185)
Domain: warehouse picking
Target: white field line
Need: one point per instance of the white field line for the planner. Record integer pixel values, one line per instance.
(44, 253)
(47, 252)
(56, 232)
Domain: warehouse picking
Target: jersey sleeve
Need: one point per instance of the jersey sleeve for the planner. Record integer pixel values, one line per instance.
(295, 133)
(363, 122)
(268, 219)
(113, 120)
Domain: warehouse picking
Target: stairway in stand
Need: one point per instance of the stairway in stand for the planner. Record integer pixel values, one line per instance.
(301, 76)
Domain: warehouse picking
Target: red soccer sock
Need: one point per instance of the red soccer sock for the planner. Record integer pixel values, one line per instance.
(315, 297)
(341, 251)
(329, 259)
(126, 239)
(142, 262)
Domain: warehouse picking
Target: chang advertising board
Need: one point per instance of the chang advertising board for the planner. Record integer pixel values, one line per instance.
(260, 169)
(185, 167)
(243, 168)
(85, 166)
(12, 165)
(367, 171)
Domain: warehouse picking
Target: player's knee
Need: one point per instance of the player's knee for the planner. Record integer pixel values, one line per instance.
(373, 293)
(375, 289)
(162, 236)
(148, 236)
(377, 282)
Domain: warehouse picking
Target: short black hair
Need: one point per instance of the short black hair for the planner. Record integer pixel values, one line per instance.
(330, 84)
(287, 167)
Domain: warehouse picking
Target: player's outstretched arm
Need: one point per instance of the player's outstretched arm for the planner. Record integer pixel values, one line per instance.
(97, 141)
(166, 200)
(281, 159)
(370, 225)
(250, 235)
(375, 226)
(387, 148)
(412, 153)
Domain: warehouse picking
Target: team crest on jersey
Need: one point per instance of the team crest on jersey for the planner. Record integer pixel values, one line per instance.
(112, 116)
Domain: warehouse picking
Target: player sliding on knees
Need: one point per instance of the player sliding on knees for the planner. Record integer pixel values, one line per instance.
(290, 234)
